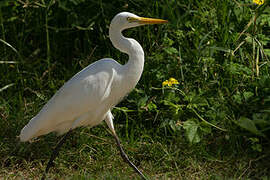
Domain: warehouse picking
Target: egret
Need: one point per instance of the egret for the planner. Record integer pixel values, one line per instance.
(88, 97)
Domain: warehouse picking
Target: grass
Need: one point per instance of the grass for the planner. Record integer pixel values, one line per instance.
(213, 125)
(87, 156)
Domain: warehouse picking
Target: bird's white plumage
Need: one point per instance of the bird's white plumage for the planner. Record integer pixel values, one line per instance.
(86, 99)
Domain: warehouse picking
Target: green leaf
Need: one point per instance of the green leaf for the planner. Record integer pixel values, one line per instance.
(191, 128)
(151, 106)
(142, 101)
(248, 95)
(249, 125)
(257, 147)
(237, 98)
(238, 69)
(206, 129)
(267, 52)
(171, 50)
(174, 126)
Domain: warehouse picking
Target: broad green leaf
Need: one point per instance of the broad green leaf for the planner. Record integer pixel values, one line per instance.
(267, 52)
(191, 128)
(249, 125)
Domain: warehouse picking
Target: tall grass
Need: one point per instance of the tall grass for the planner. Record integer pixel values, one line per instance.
(217, 50)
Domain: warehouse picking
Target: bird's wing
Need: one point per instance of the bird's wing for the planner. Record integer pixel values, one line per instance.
(85, 91)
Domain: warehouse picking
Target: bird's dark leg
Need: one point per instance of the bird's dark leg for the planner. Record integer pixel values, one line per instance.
(125, 157)
(55, 153)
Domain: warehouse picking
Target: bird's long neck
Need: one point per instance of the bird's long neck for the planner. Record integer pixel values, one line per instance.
(134, 66)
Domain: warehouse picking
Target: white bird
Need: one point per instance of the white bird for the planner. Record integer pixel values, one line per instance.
(88, 97)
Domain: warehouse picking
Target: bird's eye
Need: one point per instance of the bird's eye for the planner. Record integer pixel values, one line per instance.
(129, 19)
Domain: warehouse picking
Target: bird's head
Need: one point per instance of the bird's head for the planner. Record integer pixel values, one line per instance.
(125, 20)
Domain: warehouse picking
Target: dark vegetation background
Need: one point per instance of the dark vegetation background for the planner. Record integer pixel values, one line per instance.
(215, 124)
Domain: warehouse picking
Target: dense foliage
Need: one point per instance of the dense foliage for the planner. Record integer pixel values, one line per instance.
(218, 51)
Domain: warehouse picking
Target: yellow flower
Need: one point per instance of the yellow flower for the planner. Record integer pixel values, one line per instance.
(259, 2)
(173, 81)
(165, 83)
(170, 82)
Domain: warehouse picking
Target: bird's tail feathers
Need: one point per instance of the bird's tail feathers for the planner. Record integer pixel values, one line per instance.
(29, 131)
(25, 134)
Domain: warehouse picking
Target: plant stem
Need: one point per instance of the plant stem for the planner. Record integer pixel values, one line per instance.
(3, 30)
(47, 33)
(181, 63)
(47, 39)
(201, 118)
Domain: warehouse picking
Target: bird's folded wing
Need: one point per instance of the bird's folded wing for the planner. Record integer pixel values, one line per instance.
(76, 97)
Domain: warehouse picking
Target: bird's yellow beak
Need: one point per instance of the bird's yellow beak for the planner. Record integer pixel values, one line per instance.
(143, 20)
